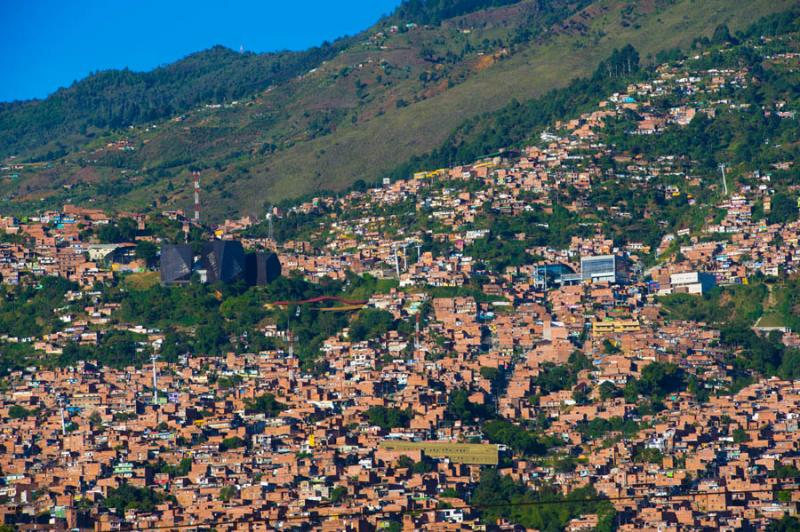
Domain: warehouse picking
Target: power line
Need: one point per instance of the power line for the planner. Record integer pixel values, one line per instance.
(678, 496)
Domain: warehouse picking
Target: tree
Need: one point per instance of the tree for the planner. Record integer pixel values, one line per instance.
(740, 435)
(425, 465)
(784, 471)
(146, 251)
(27, 311)
(623, 62)
(388, 418)
(266, 404)
(546, 509)
(337, 494)
(578, 361)
(210, 338)
(722, 35)
(127, 497)
(609, 347)
(660, 379)
(787, 523)
(649, 455)
(554, 378)
(95, 419)
(609, 391)
(459, 407)
(370, 324)
(697, 388)
(118, 349)
(123, 230)
(784, 209)
(180, 470)
(496, 376)
(514, 436)
(489, 373)
(246, 309)
(581, 395)
(227, 493)
(599, 427)
(234, 442)
(18, 412)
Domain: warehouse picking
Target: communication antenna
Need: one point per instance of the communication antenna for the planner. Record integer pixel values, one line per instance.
(153, 359)
(196, 176)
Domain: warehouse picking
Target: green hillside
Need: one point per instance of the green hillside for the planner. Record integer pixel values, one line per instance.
(117, 98)
(371, 104)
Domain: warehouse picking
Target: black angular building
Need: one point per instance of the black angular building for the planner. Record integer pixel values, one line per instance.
(176, 263)
(262, 268)
(223, 260)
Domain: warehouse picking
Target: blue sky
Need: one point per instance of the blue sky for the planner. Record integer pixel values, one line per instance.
(47, 44)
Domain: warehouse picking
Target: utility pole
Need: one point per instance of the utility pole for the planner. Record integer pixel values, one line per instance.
(396, 262)
(289, 331)
(724, 179)
(153, 359)
(60, 400)
(270, 234)
(416, 333)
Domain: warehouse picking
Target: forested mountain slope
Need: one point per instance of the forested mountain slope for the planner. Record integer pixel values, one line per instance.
(262, 128)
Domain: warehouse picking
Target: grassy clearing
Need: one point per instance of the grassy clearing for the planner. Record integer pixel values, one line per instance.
(141, 280)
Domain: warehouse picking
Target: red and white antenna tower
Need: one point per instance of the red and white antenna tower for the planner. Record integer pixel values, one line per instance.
(196, 197)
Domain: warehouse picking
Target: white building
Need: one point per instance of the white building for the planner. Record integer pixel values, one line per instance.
(690, 283)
